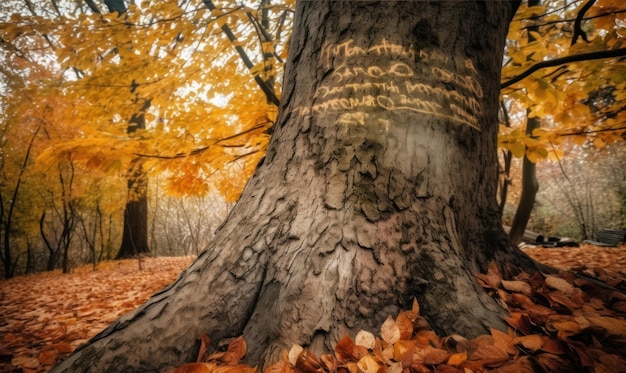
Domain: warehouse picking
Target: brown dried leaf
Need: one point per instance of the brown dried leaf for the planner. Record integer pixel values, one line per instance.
(503, 341)
(559, 284)
(240, 368)
(435, 356)
(281, 367)
(402, 348)
(307, 363)
(566, 326)
(238, 347)
(405, 325)
(415, 310)
(553, 363)
(517, 287)
(492, 278)
(619, 306)
(329, 363)
(489, 355)
(554, 346)
(447, 369)
(368, 365)
(522, 364)
(63, 347)
(427, 338)
(613, 326)
(344, 349)
(532, 342)
(205, 341)
(562, 299)
(193, 368)
(389, 331)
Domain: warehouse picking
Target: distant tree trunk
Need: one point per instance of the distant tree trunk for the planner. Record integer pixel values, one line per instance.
(378, 187)
(530, 186)
(135, 232)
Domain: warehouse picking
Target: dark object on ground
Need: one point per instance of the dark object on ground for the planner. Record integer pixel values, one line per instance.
(609, 237)
(555, 242)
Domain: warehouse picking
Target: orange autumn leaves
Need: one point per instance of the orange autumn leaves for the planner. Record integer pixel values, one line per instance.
(45, 316)
(558, 323)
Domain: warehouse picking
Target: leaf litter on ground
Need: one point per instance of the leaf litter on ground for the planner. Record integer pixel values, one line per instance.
(565, 322)
(45, 316)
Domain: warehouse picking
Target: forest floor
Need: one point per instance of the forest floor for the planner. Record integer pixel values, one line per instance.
(45, 316)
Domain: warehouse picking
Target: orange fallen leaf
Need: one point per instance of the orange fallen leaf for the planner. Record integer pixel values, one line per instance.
(532, 342)
(457, 359)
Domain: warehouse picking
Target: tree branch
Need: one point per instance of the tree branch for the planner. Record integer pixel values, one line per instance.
(269, 93)
(591, 132)
(578, 31)
(621, 52)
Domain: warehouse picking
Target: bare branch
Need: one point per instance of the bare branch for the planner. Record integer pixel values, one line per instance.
(578, 31)
(621, 52)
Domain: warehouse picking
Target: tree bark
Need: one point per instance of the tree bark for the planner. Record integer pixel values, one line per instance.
(530, 185)
(135, 232)
(378, 187)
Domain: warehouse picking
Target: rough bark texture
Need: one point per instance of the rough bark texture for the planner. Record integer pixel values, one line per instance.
(378, 187)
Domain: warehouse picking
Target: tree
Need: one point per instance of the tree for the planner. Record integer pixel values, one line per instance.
(378, 187)
(551, 47)
(530, 186)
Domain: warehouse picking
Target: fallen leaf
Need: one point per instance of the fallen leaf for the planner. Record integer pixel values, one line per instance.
(517, 286)
(193, 368)
(532, 342)
(365, 339)
(559, 284)
(492, 278)
(368, 365)
(389, 331)
(293, 354)
(503, 341)
(613, 326)
(457, 359)
(238, 347)
(405, 325)
(344, 349)
(307, 363)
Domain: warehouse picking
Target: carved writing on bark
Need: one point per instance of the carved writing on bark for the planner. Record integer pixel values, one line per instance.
(393, 77)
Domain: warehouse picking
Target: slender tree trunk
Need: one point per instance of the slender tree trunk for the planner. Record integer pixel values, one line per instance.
(135, 232)
(530, 185)
(378, 187)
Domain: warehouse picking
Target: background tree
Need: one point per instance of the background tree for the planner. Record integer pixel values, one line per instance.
(378, 186)
(196, 139)
(565, 42)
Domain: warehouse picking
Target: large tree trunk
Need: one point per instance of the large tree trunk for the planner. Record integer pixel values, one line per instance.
(378, 187)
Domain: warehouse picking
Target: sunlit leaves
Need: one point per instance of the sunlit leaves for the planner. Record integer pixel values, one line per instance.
(207, 118)
(577, 100)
